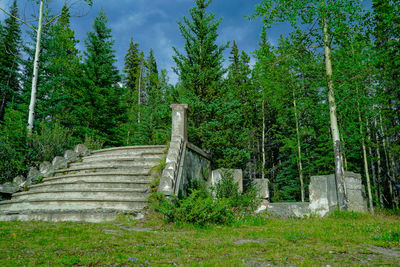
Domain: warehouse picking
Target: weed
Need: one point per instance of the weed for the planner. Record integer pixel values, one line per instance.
(339, 214)
(389, 236)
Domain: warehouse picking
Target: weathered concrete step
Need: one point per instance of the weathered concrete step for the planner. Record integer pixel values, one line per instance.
(94, 216)
(73, 204)
(130, 149)
(83, 185)
(138, 155)
(138, 170)
(121, 177)
(125, 162)
(103, 194)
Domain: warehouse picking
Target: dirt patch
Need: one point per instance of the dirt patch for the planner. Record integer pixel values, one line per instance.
(390, 252)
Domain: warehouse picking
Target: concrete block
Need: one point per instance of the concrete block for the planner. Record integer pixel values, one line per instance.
(262, 186)
(323, 194)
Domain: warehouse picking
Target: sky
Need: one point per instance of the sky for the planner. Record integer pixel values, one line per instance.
(153, 24)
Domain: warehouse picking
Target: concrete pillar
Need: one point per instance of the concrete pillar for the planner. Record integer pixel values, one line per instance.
(179, 121)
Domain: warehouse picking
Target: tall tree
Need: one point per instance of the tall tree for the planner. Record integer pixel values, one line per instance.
(330, 16)
(101, 99)
(199, 67)
(10, 59)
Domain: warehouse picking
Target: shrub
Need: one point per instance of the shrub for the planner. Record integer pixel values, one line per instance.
(18, 151)
(200, 208)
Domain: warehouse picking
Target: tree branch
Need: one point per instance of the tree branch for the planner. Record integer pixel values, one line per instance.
(18, 19)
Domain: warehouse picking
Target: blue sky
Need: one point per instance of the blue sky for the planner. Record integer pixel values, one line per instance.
(153, 24)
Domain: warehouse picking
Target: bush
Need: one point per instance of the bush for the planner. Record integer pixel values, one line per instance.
(18, 152)
(200, 208)
(227, 188)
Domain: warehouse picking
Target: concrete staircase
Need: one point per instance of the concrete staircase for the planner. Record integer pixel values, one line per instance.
(97, 188)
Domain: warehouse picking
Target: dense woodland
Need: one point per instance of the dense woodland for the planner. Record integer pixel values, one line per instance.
(272, 119)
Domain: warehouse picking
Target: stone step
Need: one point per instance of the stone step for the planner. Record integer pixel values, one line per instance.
(137, 170)
(95, 216)
(130, 150)
(133, 204)
(83, 185)
(117, 177)
(103, 194)
(139, 155)
(125, 162)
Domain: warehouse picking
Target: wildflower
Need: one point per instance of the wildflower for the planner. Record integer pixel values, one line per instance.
(133, 259)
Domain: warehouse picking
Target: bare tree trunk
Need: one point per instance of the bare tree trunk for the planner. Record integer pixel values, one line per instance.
(139, 91)
(35, 71)
(378, 154)
(371, 202)
(263, 142)
(388, 169)
(344, 151)
(299, 160)
(339, 171)
(373, 171)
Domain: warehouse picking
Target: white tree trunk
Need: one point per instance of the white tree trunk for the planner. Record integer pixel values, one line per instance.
(35, 71)
(263, 142)
(339, 171)
(378, 154)
(299, 159)
(139, 91)
(373, 171)
(388, 169)
(364, 149)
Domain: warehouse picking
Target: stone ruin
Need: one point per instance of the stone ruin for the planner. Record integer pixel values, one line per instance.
(323, 198)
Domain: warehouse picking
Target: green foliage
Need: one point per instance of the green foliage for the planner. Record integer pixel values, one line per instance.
(198, 208)
(339, 214)
(92, 143)
(389, 236)
(19, 152)
(201, 208)
(10, 50)
(100, 102)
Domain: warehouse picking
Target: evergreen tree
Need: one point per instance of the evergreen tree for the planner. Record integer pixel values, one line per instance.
(131, 69)
(199, 67)
(63, 71)
(9, 60)
(99, 104)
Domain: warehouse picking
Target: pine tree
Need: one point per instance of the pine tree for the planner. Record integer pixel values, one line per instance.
(131, 69)
(100, 102)
(63, 70)
(200, 67)
(10, 60)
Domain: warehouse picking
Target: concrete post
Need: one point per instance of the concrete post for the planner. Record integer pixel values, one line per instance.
(179, 121)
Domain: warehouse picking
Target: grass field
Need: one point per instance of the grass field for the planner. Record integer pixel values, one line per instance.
(342, 239)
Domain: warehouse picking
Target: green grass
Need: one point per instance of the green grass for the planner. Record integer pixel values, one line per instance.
(341, 239)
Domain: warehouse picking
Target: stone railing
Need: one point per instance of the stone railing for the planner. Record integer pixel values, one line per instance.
(46, 169)
(185, 162)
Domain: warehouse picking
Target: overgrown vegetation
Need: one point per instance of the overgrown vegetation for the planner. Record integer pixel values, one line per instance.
(270, 119)
(223, 204)
(365, 240)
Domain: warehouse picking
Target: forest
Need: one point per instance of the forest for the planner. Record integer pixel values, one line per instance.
(324, 100)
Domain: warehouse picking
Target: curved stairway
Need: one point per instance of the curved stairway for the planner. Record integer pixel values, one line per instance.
(97, 188)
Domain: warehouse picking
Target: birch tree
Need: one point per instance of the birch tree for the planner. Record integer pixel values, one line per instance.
(38, 31)
(323, 19)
